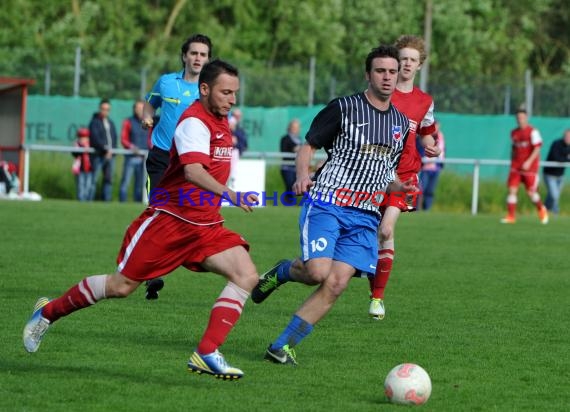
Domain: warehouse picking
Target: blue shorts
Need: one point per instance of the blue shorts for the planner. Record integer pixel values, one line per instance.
(345, 234)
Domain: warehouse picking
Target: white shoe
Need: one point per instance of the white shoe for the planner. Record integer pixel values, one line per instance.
(377, 310)
(36, 327)
(509, 220)
(213, 364)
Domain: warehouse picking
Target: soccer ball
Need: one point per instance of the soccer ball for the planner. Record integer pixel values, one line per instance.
(407, 384)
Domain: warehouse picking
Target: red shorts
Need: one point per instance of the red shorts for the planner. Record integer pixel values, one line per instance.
(529, 179)
(156, 243)
(404, 202)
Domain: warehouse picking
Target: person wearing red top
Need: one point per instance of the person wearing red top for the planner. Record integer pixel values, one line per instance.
(418, 107)
(81, 167)
(181, 227)
(525, 156)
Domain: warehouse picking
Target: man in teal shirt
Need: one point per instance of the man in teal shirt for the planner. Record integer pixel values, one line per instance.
(173, 93)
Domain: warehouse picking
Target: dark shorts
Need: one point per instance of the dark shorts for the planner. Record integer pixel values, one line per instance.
(156, 164)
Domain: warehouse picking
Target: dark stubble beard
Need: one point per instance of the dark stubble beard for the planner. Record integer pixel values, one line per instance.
(215, 111)
(379, 94)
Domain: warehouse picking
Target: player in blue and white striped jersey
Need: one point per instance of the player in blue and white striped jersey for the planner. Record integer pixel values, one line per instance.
(363, 145)
(363, 135)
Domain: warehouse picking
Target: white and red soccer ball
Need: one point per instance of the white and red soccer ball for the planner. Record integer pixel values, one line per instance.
(407, 384)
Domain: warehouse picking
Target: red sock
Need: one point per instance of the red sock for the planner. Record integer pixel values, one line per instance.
(383, 270)
(511, 209)
(223, 317)
(86, 293)
(538, 205)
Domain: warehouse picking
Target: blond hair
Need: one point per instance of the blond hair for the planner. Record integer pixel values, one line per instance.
(412, 42)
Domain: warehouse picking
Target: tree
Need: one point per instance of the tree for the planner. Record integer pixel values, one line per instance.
(474, 42)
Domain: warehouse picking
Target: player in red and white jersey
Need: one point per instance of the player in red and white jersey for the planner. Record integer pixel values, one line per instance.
(525, 156)
(205, 142)
(418, 107)
(181, 227)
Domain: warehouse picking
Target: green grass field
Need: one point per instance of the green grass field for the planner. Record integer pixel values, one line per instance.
(481, 306)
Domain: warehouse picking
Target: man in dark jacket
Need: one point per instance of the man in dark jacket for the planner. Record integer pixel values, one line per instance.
(135, 138)
(103, 138)
(554, 176)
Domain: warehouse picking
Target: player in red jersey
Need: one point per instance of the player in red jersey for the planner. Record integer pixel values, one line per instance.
(525, 156)
(181, 227)
(418, 107)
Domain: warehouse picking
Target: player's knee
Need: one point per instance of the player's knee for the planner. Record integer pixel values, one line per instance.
(534, 196)
(244, 274)
(336, 285)
(249, 280)
(512, 198)
(385, 233)
(317, 275)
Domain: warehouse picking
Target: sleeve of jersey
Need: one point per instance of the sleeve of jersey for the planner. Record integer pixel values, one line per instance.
(192, 140)
(153, 97)
(535, 138)
(325, 126)
(427, 126)
(126, 134)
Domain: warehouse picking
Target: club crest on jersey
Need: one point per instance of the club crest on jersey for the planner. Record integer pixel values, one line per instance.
(396, 132)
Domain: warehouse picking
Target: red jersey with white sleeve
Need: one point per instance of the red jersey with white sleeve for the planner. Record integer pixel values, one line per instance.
(524, 141)
(200, 137)
(418, 107)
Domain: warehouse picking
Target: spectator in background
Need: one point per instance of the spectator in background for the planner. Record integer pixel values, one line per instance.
(525, 156)
(240, 141)
(133, 137)
(103, 138)
(232, 122)
(82, 167)
(429, 174)
(554, 176)
(9, 182)
(290, 143)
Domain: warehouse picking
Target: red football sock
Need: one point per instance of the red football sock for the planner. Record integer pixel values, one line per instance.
(224, 315)
(86, 293)
(383, 270)
(511, 209)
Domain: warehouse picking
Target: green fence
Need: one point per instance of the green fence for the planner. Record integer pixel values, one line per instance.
(55, 119)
